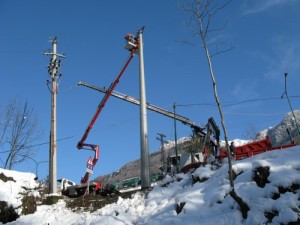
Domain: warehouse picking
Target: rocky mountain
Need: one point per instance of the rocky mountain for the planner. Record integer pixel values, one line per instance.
(281, 134)
(132, 169)
(286, 131)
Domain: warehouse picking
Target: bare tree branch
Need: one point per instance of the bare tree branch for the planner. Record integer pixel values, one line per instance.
(19, 131)
(200, 14)
(206, 9)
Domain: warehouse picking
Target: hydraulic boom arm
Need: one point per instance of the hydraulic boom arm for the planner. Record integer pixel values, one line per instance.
(132, 46)
(81, 143)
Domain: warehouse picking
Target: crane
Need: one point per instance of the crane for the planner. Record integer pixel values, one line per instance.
(211, 127)
(132, 46)
(184, 120)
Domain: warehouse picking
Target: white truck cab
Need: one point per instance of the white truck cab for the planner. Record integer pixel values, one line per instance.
(63, 183)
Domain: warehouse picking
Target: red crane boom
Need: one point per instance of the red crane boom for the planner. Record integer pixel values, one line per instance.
(132, 46)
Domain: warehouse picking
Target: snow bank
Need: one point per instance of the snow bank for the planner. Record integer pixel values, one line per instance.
(206, 202)
(11, 191)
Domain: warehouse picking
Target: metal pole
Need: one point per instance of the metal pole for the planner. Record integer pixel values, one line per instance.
(145, 168)
(52, 158)
(36, 163)
(176, 148)
(286, 94)
(53, 70)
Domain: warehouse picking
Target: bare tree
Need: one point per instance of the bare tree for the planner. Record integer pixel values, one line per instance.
(194, 146)
(19, 130)
(201, 13)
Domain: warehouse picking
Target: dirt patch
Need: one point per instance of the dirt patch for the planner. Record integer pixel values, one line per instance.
(261, 175)
(93, 202)
(51, 200)
(5, 178)
(7, 213)
(28, 205)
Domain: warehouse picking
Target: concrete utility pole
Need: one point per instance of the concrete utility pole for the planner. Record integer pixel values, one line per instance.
(145, 167)
(53, 70)
(163, 158)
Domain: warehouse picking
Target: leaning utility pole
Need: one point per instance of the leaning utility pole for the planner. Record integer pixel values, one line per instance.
(53, 70)
(145, 167)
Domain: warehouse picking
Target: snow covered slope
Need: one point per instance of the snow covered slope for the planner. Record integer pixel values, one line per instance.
(14, 185)
(274, 202)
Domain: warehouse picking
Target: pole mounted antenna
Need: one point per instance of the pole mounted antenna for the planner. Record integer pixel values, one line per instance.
(141, 30)
(54, 42)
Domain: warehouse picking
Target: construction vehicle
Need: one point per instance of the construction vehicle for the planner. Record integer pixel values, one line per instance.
(186, 162)
(211, 136)
(63, 184)
(71, 189)
(132, 45)
(189, 161)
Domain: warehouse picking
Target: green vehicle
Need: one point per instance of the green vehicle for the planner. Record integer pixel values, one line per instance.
(131, 182)
(112, 186)
(156, 177)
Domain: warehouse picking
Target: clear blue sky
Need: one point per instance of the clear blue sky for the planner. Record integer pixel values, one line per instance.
(91, 33)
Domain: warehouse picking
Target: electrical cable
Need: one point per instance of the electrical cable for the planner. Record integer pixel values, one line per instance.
(188, 105)
(44, 143)
(237, 103)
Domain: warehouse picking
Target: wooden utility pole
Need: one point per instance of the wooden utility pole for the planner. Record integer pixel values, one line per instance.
(55, 75)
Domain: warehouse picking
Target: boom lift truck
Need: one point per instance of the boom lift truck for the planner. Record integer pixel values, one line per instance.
(132, 46)
(185, 161)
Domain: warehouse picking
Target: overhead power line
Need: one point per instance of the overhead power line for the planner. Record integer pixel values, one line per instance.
(255, 114)
(238, 103)
(43, 143)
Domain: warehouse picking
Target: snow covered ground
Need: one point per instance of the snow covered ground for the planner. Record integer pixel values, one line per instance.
(12, 191)
(205, 203)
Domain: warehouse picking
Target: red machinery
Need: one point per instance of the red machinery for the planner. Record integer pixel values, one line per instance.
(132, 45)
(253, 148)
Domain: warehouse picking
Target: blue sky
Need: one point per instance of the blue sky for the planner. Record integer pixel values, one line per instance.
(91, 34)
